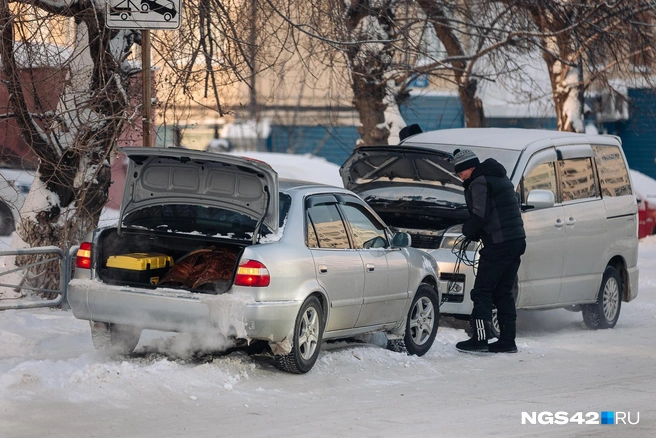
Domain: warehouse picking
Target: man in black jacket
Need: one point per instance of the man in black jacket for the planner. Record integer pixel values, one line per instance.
(495, 219)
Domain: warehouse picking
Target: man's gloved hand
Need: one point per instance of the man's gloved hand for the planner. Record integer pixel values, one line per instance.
(472, 228)
(474, 237)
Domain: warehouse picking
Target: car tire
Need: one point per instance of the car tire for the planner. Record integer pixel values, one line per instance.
(168, 16)
(422, 321)
(114, 338)
(606, 311)
(306, 342)
(145, 7)
(7, 225)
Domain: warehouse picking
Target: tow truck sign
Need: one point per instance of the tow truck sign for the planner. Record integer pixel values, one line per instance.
(143, 14)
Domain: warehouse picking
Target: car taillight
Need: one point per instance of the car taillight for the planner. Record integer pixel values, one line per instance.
(83, 258)
(252, 273)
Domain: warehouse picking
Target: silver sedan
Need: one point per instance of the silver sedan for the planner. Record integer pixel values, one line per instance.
(311, 263)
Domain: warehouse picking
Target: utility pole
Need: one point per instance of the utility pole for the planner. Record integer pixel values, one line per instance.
(144, 16)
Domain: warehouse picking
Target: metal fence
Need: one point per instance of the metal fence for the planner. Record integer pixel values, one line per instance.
(53, 254)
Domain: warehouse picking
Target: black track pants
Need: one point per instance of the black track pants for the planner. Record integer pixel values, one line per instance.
(497, 269)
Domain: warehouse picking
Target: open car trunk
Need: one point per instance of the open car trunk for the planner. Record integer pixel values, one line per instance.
(144, 259)
(185, 218)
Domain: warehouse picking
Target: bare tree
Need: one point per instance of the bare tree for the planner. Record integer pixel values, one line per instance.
(585, 42)
(73, 144)
(471, 32)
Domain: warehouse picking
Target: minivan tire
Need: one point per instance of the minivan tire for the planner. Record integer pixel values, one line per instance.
(422, 321)
(306, 342)
(114, 338)
(606, 311)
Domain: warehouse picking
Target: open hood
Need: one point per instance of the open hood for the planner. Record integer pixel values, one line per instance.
(158, 176)
(383, 166)
(409, 187)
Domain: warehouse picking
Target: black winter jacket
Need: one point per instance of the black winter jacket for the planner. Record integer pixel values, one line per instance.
(494, 211)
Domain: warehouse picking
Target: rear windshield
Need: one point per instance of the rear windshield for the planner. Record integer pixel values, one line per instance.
(198, 219)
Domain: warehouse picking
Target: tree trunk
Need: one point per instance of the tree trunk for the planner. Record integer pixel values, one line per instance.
(568, 94)
(472, 106)
(368, 99)
(368, 64)
(74, 174)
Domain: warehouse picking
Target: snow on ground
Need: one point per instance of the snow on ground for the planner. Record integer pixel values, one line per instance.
(53, 383)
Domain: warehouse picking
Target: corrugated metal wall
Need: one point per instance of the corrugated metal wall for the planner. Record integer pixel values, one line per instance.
(434, 112)
(638, 134)
(335, 143)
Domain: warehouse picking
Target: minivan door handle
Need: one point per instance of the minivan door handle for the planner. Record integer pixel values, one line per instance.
(570, 221)
(323, 269)
(559, 223)
(370, 267)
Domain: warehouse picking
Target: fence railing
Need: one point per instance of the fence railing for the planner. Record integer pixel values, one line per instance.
(56, 254)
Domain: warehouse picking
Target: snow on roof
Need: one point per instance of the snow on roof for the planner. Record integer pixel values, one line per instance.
(502, 138)
(299, 167)
(247, 129)
(644, 186)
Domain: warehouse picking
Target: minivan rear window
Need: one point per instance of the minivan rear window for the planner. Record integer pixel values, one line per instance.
(613, 175)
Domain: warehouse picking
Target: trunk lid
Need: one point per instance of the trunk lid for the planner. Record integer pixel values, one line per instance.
(168, 176)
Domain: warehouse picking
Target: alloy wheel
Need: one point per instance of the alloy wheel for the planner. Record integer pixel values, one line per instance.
(422, 320)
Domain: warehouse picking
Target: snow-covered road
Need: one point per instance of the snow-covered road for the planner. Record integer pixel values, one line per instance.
(53, 383)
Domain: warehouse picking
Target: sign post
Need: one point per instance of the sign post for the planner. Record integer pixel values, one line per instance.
(145, 82)
(144, 15)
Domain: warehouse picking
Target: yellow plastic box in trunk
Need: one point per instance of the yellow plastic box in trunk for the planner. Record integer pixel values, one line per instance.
(138, 267)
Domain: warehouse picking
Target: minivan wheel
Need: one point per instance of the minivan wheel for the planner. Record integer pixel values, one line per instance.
(606, 311)
(423, 319)
(306, 342)
(114, 338)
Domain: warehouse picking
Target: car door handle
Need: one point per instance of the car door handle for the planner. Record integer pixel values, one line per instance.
(370, 267)
(559, 223)
(323, 269)
(570, 221)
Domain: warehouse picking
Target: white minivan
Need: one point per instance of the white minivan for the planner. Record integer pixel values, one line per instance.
(578, 207)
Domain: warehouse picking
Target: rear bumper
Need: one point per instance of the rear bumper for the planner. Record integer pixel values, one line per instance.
(232, 315)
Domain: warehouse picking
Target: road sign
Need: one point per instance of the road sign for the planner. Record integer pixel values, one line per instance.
(143, 14)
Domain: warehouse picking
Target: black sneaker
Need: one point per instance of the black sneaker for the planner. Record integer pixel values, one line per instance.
(502, 347)
(473, 345)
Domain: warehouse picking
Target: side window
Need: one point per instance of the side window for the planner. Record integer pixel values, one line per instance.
(367, 232)
(577, 179)
(613, 175)
(312, 241)
(542, 177)
(327, 228)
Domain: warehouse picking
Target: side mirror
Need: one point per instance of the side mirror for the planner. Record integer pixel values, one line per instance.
(539, 199)
(401, 240)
